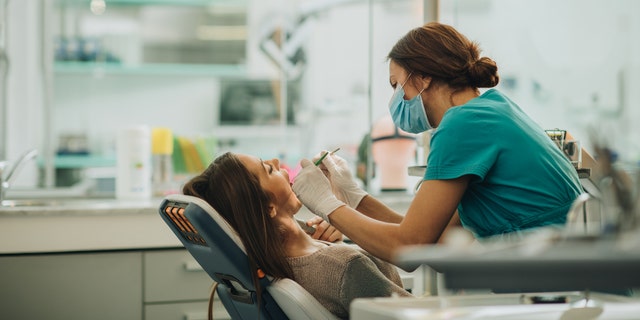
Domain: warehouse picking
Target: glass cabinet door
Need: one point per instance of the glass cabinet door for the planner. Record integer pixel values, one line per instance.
(276, 79)
(152, 36)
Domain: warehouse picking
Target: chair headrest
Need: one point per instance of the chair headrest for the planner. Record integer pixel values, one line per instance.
(224, 225)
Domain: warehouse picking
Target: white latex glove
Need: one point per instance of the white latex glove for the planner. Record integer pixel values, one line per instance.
(343, 183)
(314, 190)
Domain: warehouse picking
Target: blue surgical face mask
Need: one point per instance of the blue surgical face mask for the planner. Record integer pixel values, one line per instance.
(408, 115)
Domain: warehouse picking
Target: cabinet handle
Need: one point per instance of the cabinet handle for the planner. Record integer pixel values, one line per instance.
(192, 266)
(195, 316)
(204, 316)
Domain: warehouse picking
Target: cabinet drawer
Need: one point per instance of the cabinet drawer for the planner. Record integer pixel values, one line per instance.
(184, 311)
(174, 275)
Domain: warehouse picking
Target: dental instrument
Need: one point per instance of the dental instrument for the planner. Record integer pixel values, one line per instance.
(305, 227)
(317, 163)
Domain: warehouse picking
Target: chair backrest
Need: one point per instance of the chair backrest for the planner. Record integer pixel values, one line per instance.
(216, 246)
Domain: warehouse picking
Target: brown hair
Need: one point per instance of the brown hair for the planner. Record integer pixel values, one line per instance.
(229, 187)
(439, 51)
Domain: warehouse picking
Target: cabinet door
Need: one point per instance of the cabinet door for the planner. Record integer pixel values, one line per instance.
(71, 286)
(185, 311)
(174, 276)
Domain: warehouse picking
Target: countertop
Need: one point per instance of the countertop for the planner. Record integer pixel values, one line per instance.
(102, 225)
(88, 225)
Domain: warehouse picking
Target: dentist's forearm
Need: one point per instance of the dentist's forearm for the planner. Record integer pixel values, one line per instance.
(381, 239)
(377, 210)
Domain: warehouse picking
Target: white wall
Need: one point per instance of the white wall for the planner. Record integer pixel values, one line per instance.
(24, 93)
(566, 57)
(340, 59)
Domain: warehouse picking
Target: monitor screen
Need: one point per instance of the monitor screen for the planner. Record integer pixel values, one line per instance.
(256, 102)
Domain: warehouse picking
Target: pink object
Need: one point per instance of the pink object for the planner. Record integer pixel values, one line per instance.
(292, 172)
(392, 151)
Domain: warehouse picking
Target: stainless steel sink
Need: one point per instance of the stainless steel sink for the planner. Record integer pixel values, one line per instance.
(47, 197)
(35, 202)
(74, 192)
(26, 203)
(46, 206)
(84, 202)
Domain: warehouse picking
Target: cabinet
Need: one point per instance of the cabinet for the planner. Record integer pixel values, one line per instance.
(177, 288)
(136, 285)
(193, 66)
(71, 286)
(206, 37)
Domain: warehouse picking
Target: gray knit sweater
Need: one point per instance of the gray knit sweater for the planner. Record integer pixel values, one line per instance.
(339, 273)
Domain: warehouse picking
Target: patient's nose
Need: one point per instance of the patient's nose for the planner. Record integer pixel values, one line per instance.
(276, 163)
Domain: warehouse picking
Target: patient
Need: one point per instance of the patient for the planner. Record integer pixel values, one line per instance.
(256, 199)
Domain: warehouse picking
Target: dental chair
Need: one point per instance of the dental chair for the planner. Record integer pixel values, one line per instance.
(218, 249)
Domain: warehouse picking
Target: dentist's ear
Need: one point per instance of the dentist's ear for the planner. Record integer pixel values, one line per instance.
(426, 82)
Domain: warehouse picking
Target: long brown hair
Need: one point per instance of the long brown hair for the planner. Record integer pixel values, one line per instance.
(439, 51)
(229, 187)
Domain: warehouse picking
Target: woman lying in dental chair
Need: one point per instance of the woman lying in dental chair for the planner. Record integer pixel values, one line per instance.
(256, 199)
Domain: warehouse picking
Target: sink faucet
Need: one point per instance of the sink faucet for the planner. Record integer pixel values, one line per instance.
(6, 179)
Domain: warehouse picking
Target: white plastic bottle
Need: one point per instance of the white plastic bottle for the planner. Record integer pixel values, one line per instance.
(133, 177)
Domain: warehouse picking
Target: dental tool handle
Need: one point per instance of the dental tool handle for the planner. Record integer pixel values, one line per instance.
(305, 227)
(319, 161)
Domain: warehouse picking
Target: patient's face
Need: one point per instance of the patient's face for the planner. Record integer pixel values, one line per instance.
(274, 180)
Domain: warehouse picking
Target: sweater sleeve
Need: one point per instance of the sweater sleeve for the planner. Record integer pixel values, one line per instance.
(363, 279)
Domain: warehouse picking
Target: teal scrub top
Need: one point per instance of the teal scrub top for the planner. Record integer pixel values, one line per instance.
(519, 178)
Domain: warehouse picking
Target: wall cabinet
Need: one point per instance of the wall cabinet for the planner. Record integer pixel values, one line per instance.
(149, 36)
(186, 65)
(157, 284)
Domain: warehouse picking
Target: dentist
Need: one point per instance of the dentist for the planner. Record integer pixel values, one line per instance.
(491, 168)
